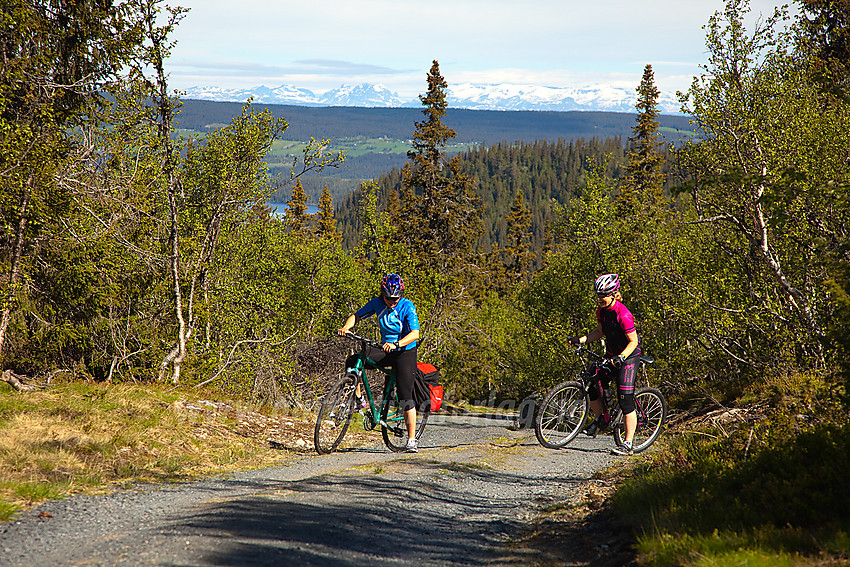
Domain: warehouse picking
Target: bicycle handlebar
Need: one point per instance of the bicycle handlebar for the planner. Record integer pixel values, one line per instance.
(581, 349)
(597, 359)
(601, 360)
(363, 340)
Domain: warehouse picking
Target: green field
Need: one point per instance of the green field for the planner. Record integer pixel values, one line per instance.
(357, 146)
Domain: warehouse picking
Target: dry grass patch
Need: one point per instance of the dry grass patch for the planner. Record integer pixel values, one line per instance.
(76, 438)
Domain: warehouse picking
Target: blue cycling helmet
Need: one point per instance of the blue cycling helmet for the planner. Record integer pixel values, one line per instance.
(607, 284)
(392, 286)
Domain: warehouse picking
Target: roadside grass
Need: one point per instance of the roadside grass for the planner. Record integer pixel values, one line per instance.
(85, 438)
(714, 496)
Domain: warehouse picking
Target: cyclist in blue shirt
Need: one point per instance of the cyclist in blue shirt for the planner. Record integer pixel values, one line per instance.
(399, 326)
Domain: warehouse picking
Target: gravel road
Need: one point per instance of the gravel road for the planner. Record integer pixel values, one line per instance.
(473, 486)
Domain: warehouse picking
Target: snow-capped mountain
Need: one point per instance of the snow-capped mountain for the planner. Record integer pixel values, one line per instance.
(362, 95)
(533, 97)
(344, 95)
(473, 96)
(284, 94)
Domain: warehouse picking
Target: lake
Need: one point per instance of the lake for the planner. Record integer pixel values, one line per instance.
(279, 208)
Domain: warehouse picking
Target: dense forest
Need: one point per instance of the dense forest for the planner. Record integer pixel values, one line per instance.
(131, 254)
(480, 126)
(546, 172)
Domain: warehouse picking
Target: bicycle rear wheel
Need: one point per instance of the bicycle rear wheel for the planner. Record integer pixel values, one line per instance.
(393, 428)
(561, 415)
(651, 411)
(335, 415)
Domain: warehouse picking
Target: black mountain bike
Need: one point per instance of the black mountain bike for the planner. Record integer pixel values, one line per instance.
(338, 407)
(565, 410)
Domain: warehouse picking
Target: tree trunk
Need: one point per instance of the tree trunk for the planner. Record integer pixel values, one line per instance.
(175, 275)
(159, 50)
(14, 270)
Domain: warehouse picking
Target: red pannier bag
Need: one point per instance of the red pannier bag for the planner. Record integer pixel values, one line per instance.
(430, 374)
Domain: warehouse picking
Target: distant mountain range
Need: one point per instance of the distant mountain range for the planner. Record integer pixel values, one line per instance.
(470, 96)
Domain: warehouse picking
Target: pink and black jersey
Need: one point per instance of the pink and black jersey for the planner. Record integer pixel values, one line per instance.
(616, 321)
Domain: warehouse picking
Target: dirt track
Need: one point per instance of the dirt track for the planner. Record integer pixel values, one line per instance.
(461, 500)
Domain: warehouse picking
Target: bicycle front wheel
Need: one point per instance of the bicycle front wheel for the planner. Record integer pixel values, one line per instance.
(561, 415)
(393, 428)
(335, 415)
(651, 411)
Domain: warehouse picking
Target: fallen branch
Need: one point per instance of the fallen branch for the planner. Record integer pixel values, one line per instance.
(15, 381)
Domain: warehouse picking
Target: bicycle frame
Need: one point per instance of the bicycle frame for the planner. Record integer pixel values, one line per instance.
(338, 407)
(599, 362)
(360, 369)
(592, 368)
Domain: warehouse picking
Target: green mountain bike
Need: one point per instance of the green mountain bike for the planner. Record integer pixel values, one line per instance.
(339, 406)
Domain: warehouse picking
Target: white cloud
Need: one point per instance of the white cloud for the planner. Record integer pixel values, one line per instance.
(392, 42)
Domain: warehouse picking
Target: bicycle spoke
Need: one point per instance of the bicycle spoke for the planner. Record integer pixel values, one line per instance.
(394, 428)
(335, 415)
(651, 413)
(561, 415)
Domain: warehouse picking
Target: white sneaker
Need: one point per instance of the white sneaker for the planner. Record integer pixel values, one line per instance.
(412, 446)
(625, 449)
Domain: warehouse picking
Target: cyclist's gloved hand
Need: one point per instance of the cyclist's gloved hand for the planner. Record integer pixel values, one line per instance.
(573, 341)
(618, 361)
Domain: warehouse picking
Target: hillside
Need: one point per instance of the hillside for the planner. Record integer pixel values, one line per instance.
(545, 171)
(478, 126)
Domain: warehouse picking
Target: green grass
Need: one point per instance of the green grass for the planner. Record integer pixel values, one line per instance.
(767, 487)
(40, 491)
(285, 150)
(787, 504)
(8, 511)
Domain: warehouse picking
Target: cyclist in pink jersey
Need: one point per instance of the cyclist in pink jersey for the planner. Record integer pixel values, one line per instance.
(622, 347)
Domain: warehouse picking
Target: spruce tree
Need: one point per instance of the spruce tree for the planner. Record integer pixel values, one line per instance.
(644, 181)
(326, 227)
(825, 34)
(295, 216)
(440, 212)
(518, 255)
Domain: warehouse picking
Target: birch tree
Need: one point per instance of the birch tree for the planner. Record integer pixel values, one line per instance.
(765, 144)
(58, 60)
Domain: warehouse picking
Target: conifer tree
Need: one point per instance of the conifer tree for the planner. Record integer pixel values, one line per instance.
(440, 223)
(327, 223)
(644, 181)
(440, 213)
(518, 255)
(295, 216)
(825, 29)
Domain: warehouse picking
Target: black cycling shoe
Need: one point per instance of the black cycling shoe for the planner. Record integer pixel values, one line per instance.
(592, 429)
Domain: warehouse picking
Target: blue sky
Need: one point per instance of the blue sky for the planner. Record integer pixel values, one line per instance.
(322, 45)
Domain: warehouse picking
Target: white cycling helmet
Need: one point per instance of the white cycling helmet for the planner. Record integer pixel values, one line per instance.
(607, 284)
